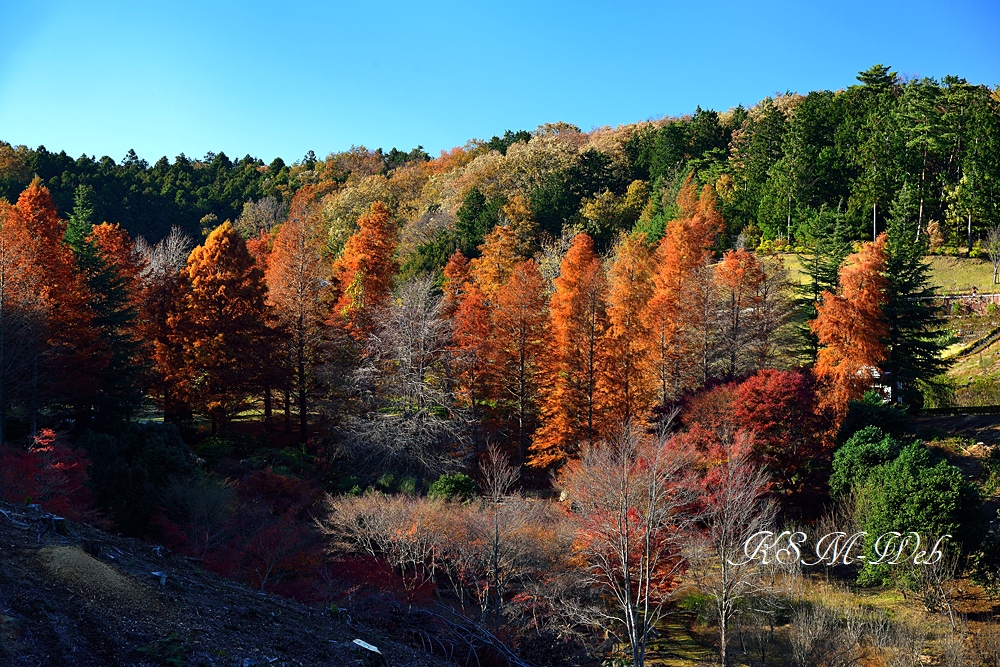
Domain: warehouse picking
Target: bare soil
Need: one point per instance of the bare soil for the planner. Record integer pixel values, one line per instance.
(75, 596)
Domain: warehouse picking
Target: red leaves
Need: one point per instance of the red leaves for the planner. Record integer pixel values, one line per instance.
(49, 473)
(791, 433)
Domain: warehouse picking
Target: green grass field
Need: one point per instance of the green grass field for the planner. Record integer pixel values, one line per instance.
(949, 274)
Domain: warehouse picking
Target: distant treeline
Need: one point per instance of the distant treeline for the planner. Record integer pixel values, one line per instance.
(782, 169)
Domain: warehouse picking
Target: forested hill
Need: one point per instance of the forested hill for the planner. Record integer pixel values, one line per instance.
(789, 167)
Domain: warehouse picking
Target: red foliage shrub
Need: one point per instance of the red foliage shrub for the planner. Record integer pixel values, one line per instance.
(790, 431)
(49, 473)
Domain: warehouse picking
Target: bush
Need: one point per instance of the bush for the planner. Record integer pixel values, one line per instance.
(860, 457)
(49, 473)
(456, 486)
(873, 411)
(938, 392)
(229, 445)
(919, 491)
(130, 472)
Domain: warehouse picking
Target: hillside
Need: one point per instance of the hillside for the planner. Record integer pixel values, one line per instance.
(62, 605)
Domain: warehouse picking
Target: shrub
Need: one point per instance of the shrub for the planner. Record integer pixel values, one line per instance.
(217, 447)
(919, 491)
(455, 486)
(872, 410)
(938, 392)
(130, 472)
(49, 473)
(860, 457)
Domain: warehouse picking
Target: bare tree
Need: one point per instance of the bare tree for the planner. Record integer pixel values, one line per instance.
(202, 509)
(820, 635)
(953, 652)
(986, 645)
(167, 257)
(771, 314)
(992, 248)
(734, 508)
(410, 425)
(632, 496)
(259, 216)
(405, 531)
(779, 592)
(506, 516)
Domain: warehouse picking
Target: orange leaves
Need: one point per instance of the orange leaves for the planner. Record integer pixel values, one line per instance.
(219, 324)
(296, 271)
(626, 385)
(499, 254)
(676, 313)
(470, 341)
(850, 326)
(578, 320)
(296, 279)
(365, 271)
(518, 317)
(74, 348)
(456, 274)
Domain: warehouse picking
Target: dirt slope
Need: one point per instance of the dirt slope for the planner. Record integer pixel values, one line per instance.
(72, 595)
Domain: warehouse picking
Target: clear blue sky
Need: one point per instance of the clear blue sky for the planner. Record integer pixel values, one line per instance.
(274, 78)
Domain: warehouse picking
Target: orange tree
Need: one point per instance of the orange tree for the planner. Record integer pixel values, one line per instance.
(851, 328)
(297, 286)
(571, 370)
(219, 325)
(365, 271)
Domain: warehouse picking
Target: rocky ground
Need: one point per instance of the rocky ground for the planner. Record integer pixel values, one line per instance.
(73, 595)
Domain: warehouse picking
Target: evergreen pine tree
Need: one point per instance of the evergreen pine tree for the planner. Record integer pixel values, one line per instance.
(914, 345)
(108, 267)
(829, 242)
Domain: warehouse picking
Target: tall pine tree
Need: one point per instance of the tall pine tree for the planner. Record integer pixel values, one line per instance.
(913, 342)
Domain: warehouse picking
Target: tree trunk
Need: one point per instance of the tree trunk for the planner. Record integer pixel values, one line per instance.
(920, 219)
(788, 233)
(268, 410)
(303, 412)
(288, 410)
(724, 639)
(875, 221)
(970, 236)
(33, 408)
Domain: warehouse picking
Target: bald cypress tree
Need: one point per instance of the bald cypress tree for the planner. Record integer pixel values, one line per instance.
(220, 326)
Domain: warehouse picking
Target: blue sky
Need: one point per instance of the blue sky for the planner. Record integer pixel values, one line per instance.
(278, 79)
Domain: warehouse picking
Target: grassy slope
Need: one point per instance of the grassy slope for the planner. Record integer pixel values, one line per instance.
(949, 274)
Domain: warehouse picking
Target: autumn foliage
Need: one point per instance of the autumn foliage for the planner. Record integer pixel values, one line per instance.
(572, 368)
(75, 351)
(851, 328)
(49, 473)
(219, 325)
(365, 272)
